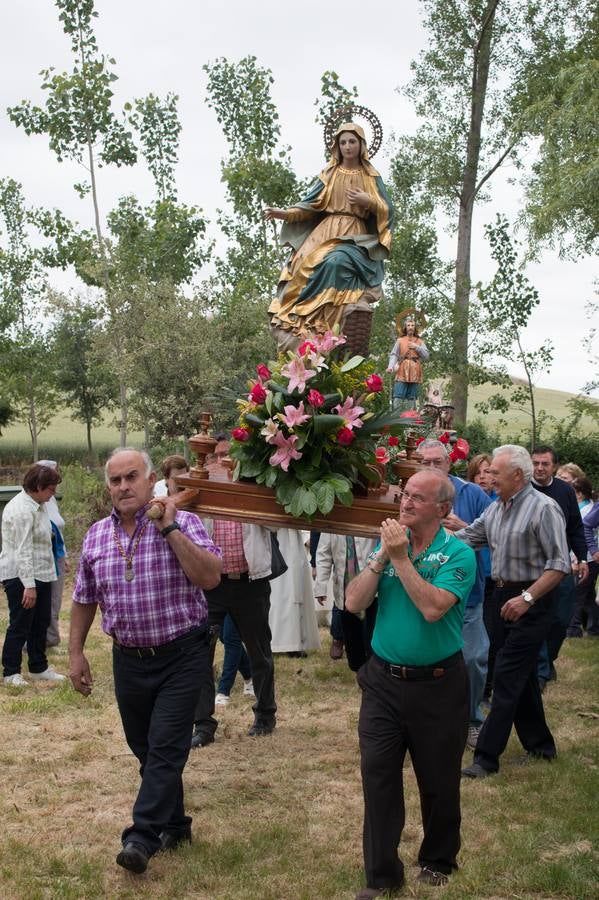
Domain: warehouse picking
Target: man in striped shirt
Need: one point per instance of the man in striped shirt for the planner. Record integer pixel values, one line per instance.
(526, 533)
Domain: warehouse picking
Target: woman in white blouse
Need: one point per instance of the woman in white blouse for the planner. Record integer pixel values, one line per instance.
(27, 570)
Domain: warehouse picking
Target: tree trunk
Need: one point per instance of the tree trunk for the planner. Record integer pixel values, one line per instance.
(480, 73)
(88, 428)
(33, 428)
(124, 413)
(531, 396)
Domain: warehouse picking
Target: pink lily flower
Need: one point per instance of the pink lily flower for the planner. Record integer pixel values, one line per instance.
(286, 452)
(294, 415)
(350, 414)
(328, 341)
(297, 374)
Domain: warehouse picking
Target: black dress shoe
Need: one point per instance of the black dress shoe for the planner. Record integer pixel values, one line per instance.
(133, 857)
(201, 738)
(476, 771)
(260, 729)
(170, 840)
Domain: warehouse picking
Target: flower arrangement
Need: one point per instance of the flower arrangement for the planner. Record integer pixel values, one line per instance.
(309, 426)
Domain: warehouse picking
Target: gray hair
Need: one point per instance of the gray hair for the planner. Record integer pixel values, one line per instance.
(519, 458)
(446, 491)
(149, 465)
(431, 444)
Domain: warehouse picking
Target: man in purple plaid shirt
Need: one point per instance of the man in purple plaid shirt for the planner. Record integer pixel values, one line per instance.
(148, 580)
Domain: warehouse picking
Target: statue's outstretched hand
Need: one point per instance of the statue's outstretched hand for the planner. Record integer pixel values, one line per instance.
(273, 212)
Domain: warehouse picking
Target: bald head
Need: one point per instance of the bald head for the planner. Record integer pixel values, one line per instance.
(426, 499)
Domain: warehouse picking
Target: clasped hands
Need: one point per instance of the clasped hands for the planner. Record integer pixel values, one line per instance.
(394, 540)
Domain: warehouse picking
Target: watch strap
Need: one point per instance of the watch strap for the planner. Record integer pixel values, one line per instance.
(174, 526)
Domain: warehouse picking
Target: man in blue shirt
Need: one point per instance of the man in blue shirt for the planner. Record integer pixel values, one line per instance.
(469, 503)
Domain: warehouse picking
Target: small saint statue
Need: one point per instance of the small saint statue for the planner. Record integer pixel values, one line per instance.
(405, 360)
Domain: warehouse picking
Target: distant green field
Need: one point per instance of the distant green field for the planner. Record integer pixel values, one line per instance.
(553, 403)
(63, 431)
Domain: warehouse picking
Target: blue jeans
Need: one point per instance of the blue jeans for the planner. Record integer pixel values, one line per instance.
(236, 659)
(476, 653)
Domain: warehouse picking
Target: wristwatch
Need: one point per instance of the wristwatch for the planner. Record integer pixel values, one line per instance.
(170, 528)
(528, 597)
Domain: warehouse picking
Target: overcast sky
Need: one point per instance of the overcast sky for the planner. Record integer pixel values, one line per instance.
(161, 47)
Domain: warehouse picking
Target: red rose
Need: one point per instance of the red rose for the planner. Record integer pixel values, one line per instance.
(374, 383)
(381, 455)
(462, 447)
(258, 394)
(240, 434)
(393, 441)
(315, 398)
(419, 441)
(345, 436)
(263, 372)
(307, 345)
(444, 438)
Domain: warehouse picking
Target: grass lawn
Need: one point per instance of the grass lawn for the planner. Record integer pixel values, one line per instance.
(279, 818)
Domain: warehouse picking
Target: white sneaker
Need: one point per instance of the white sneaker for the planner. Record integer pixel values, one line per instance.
(48, 675)
(15, 680)
(248, 688)
(221, 699)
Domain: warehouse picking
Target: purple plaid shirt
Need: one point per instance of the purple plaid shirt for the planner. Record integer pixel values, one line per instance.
(160, 604)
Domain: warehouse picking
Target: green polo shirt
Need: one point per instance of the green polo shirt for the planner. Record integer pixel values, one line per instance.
(401, 633)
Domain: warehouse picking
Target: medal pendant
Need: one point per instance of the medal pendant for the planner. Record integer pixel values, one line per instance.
(129, 574)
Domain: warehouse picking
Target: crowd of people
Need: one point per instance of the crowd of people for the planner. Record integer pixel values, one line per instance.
(453, 620)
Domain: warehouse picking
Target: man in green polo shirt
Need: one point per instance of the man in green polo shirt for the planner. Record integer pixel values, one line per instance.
(415, 685)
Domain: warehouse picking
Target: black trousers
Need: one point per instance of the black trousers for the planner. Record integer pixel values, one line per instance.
(26, 626)
(586, 611)
(248, 604)
(157, 697)
(517, 696)
(430, 719)
(357, 634)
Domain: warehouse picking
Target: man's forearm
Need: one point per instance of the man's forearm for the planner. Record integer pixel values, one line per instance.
(82, 616)
(432, 602)
(202, 567)
(548, 580)
(362, 590)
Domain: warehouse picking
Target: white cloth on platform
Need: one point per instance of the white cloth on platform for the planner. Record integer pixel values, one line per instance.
(292, 615)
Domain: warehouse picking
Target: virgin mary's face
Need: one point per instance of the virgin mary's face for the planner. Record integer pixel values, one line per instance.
(349, 146)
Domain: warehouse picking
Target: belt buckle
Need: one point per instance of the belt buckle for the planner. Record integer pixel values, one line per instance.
(500, 583)
(398, 671)
(235, 576)
(146, 652)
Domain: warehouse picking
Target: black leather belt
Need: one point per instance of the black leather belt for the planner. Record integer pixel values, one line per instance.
(190, 637)
(420, 673)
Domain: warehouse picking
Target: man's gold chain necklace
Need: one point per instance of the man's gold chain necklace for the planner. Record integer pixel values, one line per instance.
(129, 573)
(420, 556)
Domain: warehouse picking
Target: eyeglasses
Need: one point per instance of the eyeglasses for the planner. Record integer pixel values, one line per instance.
(418, 499)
